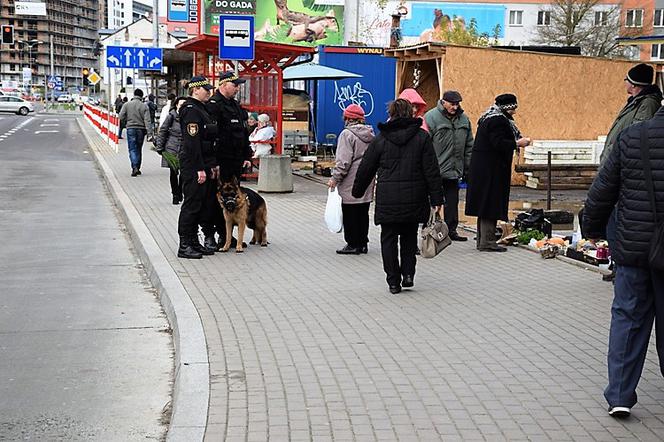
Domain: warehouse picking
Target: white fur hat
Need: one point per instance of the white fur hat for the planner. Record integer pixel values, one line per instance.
(263, 118)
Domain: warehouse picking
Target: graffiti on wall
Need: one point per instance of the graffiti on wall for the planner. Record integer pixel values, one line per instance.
(354, 94)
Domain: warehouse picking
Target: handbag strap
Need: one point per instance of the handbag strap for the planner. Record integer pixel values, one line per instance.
(645, 157)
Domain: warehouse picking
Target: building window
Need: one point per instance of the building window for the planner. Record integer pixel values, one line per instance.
(601, 18)
(634, 18)
(656, 52)
(544, 18)
(658, 18)
(516, 18)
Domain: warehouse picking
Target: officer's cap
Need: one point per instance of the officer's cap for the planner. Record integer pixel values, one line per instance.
(231, 76)
(200, 81)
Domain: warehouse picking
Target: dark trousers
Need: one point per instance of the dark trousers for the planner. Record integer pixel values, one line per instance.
(176, 185)
(230, 168)
(212, 219)
(393, 235)
(451, 190)
(192, 206)
(638, 302)
(356, 224)
(486, 233)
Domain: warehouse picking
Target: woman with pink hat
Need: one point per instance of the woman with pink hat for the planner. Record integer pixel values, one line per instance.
(351, 145)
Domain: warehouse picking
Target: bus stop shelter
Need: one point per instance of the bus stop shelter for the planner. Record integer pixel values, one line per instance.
(263, 92)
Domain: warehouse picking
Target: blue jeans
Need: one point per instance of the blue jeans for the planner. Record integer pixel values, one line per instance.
(135, 139)
(638, 301)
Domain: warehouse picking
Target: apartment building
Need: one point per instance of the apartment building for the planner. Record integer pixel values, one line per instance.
(72, 24)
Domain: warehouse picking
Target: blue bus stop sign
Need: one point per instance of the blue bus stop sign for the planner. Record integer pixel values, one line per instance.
(236, 37)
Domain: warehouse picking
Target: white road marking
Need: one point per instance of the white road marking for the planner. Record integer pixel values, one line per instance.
(47, 132)
(48, 125)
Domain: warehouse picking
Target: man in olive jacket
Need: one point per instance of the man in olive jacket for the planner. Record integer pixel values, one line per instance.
(453, 142)
(644, 100)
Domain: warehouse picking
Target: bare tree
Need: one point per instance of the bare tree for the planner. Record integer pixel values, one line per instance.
(583, 23)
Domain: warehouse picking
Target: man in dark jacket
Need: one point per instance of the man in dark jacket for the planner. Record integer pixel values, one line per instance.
(232, 149)
(490, 177)
(197, 162)
(639, 289)
(408, 186)
(453, 142)
(643, 101)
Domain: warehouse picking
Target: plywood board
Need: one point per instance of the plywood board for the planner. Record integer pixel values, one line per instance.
(560, 97)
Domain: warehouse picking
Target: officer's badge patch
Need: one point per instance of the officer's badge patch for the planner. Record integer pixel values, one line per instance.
(192, 129)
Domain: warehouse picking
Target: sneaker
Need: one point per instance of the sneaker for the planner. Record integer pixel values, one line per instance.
(407, 281)
(620, 412)
(348, 250)
(394, 289)
(134, 172)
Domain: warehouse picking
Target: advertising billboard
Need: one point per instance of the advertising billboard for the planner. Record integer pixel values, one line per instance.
(303, 22)
(426, 18)
(30, 8)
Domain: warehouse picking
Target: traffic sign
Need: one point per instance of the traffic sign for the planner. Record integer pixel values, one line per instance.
(51, 85)
(236, 37)
(94, 78)
(129, 57)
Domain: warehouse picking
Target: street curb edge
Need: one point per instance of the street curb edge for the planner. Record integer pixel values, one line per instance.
(191, 387)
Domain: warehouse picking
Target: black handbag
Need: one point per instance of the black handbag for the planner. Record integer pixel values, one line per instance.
(656, 252)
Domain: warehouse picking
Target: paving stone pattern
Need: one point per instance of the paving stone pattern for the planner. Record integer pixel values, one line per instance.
(306, 345)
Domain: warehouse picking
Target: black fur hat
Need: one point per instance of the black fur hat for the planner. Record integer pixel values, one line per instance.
(506, 101)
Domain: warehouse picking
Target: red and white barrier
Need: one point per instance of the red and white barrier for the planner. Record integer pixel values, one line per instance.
(106, 123)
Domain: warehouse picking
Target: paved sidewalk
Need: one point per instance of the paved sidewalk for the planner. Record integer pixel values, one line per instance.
(305, 344)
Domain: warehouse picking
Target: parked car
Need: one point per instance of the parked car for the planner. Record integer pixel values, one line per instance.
(16, 105)
(65, 98)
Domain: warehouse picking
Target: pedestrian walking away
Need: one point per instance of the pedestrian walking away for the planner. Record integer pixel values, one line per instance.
(351, 146)
(169, 139)
(631, 184)
(452, 138)
(136, 118)
(408, 185)
(118, 108)
(644, 99)
(490, 176)
(152, 107)
(197, 165)
(166, 109)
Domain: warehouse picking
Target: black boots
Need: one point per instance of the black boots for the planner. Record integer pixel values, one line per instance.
(210, 244)
(188, 250)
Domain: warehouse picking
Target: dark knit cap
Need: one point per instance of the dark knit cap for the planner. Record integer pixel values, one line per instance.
(452, 97)
(641, 75)
(506, 101)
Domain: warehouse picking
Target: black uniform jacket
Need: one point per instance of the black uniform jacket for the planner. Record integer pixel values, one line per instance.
(198, 134)
(233, 138)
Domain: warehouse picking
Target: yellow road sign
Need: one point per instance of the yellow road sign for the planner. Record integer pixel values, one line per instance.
(94, 78)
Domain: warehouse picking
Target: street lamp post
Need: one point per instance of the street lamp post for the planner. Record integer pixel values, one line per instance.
(30, 44)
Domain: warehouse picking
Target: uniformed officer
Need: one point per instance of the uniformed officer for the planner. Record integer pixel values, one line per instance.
(232, 149)
(197, 165)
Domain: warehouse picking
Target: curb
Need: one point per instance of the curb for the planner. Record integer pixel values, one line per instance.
(191, 386)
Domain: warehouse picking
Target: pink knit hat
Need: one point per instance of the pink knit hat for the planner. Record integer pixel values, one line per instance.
(354, 112)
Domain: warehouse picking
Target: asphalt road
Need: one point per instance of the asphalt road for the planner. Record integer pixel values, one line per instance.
(85, 349)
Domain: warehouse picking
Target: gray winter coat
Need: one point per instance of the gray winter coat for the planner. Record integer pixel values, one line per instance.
(353, 142)
(169, 137)
(452, 140)
(136, 115)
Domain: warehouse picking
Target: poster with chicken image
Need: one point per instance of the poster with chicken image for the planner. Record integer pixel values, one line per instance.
(302, 22)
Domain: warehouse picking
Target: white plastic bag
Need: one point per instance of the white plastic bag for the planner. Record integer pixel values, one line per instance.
(333, 216)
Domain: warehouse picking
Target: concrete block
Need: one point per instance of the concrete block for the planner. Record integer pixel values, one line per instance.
(275, 174)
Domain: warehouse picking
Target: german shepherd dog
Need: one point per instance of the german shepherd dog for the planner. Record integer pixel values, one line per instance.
(242, 208)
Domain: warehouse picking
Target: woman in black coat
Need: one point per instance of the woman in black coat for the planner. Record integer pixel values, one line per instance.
(408, 186)
(169, 139)
(488, 193)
